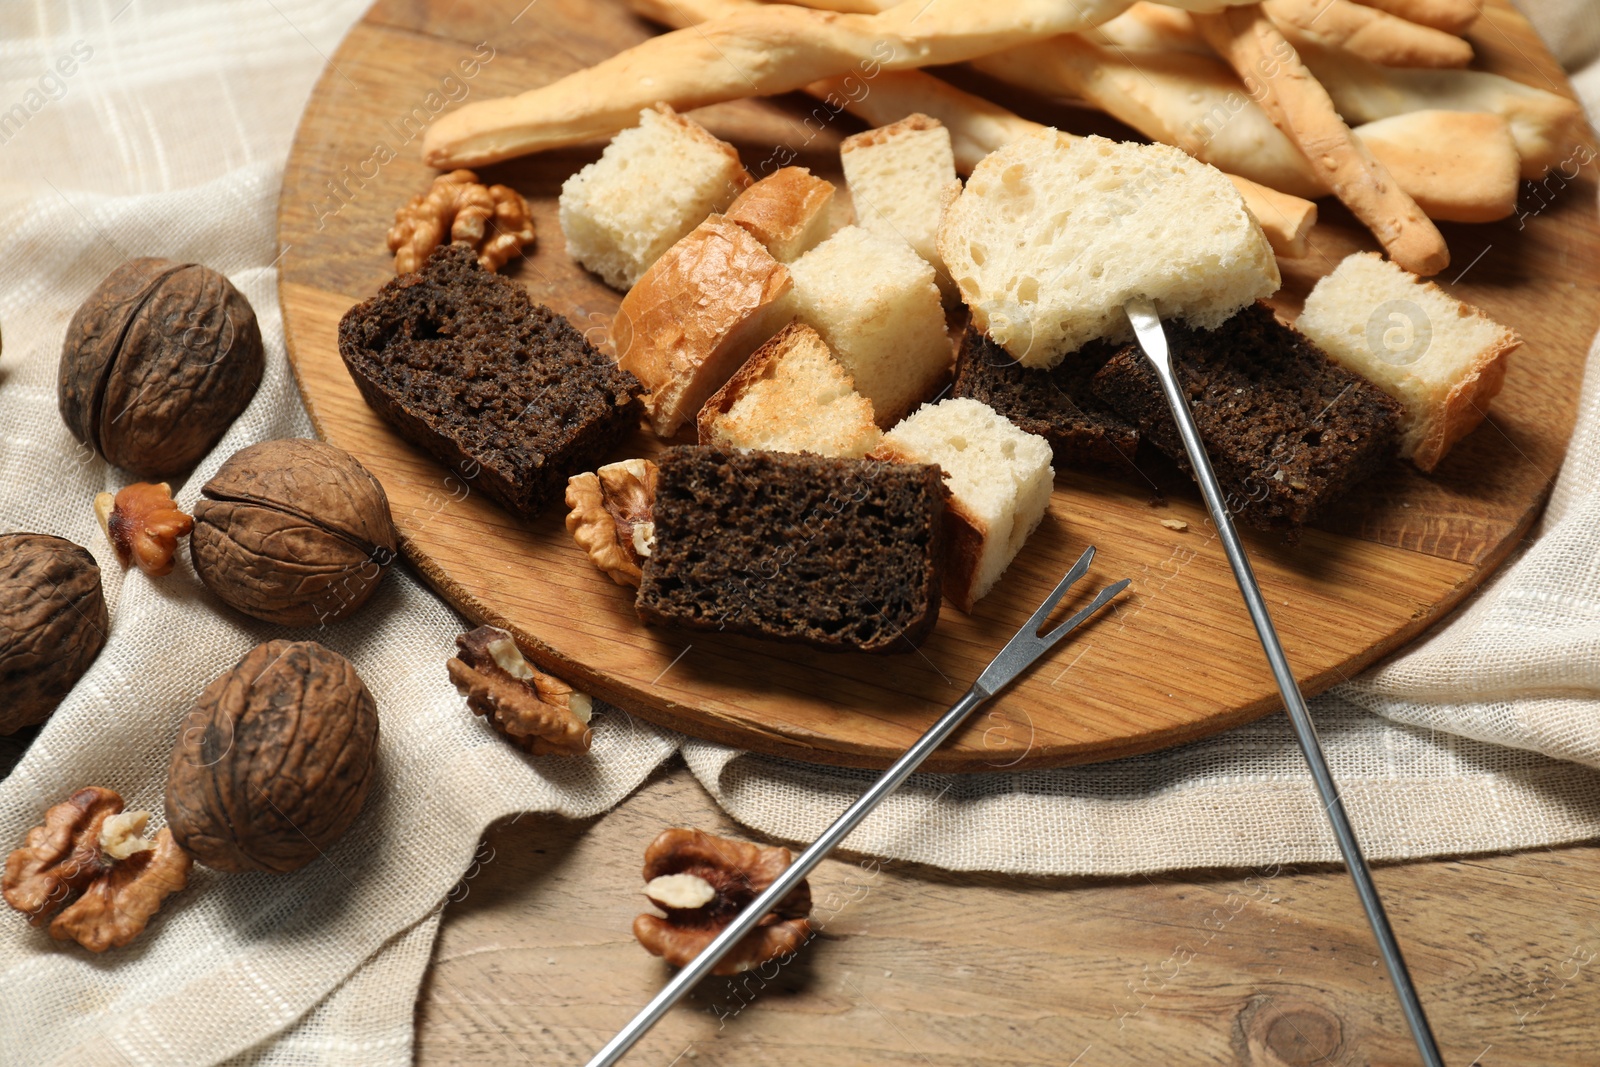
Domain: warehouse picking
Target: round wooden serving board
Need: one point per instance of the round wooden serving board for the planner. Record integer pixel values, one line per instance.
(1175, 660)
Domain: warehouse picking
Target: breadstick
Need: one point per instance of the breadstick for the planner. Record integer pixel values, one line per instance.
(1198, 104)
(1451, 16)
(1460, 166)
(1193, 102)
(1366, 32)
(1147, 27)
(1298, 106)
(978, 127)
(1547, 128)
(772, 48)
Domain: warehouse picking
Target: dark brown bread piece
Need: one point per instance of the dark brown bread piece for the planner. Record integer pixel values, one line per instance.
(838, 554)
(502, 390)
(1288, 430)
(1057, 404)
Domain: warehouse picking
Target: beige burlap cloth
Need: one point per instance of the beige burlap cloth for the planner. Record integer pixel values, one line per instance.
(151, 128)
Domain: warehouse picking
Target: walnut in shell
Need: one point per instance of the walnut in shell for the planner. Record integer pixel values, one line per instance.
(294, 532)
(538, 712)
(53, 623)
(702, 882)
(157, 363)
(143, 525)
(92, 857)
(493, 219)
(275, 760)
(610, 516)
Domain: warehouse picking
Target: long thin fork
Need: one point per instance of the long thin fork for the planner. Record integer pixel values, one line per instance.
(1020, 652)
(1153, 340)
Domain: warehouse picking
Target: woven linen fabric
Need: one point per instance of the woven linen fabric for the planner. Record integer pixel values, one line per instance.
(168, 138)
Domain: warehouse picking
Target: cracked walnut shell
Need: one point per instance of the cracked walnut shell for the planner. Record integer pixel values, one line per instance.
(611, 516)
(143, 525)
(53, 623)
(92, 856)
(493, 219)
(702, 881)
(275, 760)
(538, 712)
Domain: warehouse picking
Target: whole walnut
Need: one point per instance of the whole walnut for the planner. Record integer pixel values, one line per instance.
(53, 623)
(158, 362)
(294, 532)
(275, 760)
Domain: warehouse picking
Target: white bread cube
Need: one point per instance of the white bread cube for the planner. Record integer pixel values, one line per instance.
(875, 303)
(1053, 235)
(899, 176)
(653, 184)
(1442, 359)
(788, 211)
(791, 396)
(999, 479)
(695, 316)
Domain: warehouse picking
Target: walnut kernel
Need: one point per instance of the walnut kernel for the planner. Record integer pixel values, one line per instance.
(610, 516)
(702, 882)
(89, 848)
(537, 711)
(493, 219)
(143, 525)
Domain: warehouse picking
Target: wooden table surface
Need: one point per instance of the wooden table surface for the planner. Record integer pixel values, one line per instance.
(535, 962)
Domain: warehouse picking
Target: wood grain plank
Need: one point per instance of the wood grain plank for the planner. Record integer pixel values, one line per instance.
(1177, 658)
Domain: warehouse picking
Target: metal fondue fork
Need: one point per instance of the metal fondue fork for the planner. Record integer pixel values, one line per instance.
(1153, 340)
(1020, 652)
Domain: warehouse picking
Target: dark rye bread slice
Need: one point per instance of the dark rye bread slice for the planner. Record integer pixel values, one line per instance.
(1057, 404)
(1288, 430)
(502, 390)
(838, 554)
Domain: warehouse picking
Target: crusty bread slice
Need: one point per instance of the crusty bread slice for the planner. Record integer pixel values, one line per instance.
(999, 479)
(875, 303)
(898, 176)
(653, 184)
(1053, 234)
(787, 211)
(1442, 359)
(695, 316)
(791, 396)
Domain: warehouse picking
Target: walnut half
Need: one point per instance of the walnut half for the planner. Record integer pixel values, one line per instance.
(89, 848)
(143, 525)
(493, 219)
(539, 712)
(702, 881)
(611, 517)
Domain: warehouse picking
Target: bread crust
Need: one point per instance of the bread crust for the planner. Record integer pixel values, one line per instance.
(694, 317)
(1298, 105)
(964, 535)
(916, 122)
(1467, 403)
(779, 209)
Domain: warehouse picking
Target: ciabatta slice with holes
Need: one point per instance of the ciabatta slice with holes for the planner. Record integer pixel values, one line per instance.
(1054, 234)
(1442, 359)
(999, 479)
